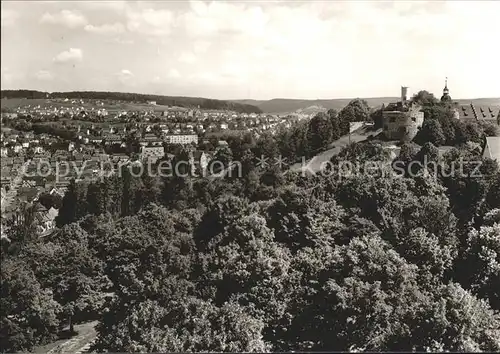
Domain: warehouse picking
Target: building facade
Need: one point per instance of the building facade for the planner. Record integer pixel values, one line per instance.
(151, 140)
(182, 139)
(152, 153)
(198, 161)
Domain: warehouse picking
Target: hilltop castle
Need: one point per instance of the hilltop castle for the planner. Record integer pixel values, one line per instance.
(402, 119)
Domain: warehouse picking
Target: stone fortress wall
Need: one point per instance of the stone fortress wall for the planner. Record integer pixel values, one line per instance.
(402, 119)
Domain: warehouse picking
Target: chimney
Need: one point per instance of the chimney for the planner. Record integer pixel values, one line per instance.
(404, 92)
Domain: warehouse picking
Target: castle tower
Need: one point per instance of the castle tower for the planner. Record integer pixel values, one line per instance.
(446, 93)
(404, 94)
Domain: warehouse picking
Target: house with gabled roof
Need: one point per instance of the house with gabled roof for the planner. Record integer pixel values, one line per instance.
(152, 153)
(45, 219)
(492, 148)
(151, 140)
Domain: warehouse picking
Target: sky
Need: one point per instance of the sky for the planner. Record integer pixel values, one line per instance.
(254, 49)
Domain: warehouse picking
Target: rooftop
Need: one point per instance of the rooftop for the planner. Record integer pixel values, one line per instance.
(471, 111)
(492, 148)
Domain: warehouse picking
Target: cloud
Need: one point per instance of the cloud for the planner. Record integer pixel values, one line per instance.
(150, 22)
(187, 57)
(173, 73)
(9, 17)
(106, 29)
(10, 78)
(6, 76)
(322, 45)
(44, 75)
(65, 18)
(201, 47)
(305, 49)
(125, 77)
(126, 72)
(123, 41)
(224, 18)
(73, 54)
(113, 6)
(205, 77)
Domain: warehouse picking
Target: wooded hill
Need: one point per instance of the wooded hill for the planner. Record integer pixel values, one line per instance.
(190, 102)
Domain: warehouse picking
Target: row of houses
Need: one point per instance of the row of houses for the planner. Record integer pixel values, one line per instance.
(15, 143)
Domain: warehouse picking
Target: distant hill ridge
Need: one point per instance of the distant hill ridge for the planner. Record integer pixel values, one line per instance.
(276, 105)
(311, 110)
(190, 102)
(284, 105)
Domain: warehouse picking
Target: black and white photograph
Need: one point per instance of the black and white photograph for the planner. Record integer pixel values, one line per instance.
(250, 176)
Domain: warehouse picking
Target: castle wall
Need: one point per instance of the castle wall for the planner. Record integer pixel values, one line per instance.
(400, 125)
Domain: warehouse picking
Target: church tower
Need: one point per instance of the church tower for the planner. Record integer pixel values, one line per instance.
(446, 93)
